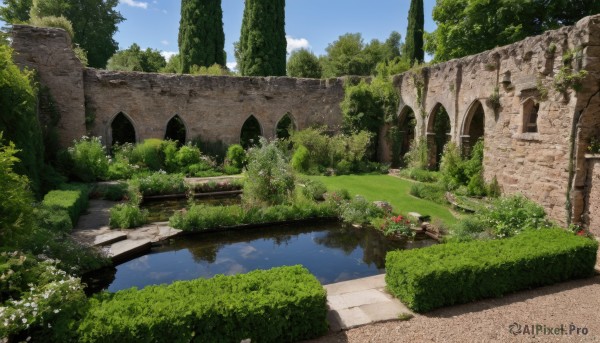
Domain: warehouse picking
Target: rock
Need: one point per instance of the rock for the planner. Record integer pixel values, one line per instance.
(386, 206)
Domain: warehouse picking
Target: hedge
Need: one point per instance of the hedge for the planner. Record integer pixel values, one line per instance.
(72, 198)
(283, 304)
(454, 273)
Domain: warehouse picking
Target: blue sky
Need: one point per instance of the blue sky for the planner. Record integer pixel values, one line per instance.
(309, 23)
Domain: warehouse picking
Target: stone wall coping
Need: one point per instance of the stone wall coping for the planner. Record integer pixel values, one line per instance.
(527, 136)
(595, 156)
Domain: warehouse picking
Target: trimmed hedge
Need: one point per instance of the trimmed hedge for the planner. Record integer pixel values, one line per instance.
(283, 304)
(72, 198)
(455, 273)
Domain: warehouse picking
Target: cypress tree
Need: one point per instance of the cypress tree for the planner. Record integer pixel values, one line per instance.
(413, 47)
(262, 46)
(201, 36)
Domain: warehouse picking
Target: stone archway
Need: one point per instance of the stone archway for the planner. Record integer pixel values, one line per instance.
(122, 130)
(402, 135)
(251, 132)
(284, 126)
(176, 130)
(473, 127)
(438, 134)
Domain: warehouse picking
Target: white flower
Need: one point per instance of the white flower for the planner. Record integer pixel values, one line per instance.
(24, 320)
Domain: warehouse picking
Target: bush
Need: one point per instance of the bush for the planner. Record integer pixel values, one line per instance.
(90, 162)
(360, 211)
(236, 156)
(454, 273)
(125, 216)
(53, 21)
(169, 151)
(301, 159)
(285, 304)
(110, 191)
(429, 191)
(313, 189)
(187, 155)
(147, 154)
(420, 175)
(73, 201)
(467, 229)
(55, 219)
(269, 179)
(231, 170)
(159, 184)
(417, 156)
(510, 215)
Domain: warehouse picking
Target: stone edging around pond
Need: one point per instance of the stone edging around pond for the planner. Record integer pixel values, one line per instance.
(196, 195)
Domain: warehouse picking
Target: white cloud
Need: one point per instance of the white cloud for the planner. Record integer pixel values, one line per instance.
(296, 43)
(168, 54)
(232, 66)
(164, 42)
(134, 3)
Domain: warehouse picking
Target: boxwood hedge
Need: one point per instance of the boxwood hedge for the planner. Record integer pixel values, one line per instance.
(283, 304)
(454, 273)
(72, 198)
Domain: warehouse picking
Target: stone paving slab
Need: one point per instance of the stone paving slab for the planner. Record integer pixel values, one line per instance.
(360, 302)
(122, 250)
(109, 238)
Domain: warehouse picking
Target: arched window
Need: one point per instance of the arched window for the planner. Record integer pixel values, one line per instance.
(530, 116)
(122, 130)
(251, 132)
(285, 126)
(176, 130)
(474, 127)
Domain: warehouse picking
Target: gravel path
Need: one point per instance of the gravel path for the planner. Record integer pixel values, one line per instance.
(574, 302)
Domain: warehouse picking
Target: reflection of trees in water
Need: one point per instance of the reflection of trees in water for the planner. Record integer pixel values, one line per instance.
(373, 244)
(207, 253)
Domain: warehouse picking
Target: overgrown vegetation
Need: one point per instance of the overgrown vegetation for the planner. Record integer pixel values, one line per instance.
(455, 273)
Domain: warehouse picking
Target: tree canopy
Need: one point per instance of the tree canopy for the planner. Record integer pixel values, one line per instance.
(466, 27)
(94, 22)
(136, 59)
(349, 55)
(201, 36)
(303, 63)
(261, 50)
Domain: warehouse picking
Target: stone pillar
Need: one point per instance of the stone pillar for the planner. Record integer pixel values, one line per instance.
(431, 150)
(49, 51)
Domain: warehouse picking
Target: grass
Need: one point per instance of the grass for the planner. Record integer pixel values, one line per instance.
(391, 189)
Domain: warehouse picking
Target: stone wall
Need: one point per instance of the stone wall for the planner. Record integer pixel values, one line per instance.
(49, 52)
(592, 209)
(212, 107)
(506, 83)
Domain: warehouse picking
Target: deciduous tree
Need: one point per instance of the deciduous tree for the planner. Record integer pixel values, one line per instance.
(136, 59)
(303, 63)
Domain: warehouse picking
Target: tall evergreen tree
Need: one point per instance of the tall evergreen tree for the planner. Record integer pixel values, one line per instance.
(201, 36)
(261, 50)
(413, 47)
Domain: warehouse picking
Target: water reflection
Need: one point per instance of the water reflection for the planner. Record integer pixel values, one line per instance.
(161, 210)
(331, 252)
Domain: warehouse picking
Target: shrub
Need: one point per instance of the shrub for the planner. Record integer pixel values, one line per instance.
(476, 186)
(89, 158)
(269, 178)
(313, 189)
(187, 155)
(125, 216)
(510, 215)
(110, 191)
(343, 167)
(417, 156)
(55, 219)
(169, 151)
(285, 304)
(427, 191)
(53, 21)
(74, 201)
(159, 183)
(231, 170)
(454, 273)
(148, 154)
(360, 211)
(301, 159)
(420, 175)
(494, 190)
(236, 156)
(467, 229)
(398, 225)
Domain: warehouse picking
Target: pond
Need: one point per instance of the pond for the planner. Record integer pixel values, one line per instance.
(331, 251)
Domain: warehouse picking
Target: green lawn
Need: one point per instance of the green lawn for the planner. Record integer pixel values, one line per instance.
(391, 189)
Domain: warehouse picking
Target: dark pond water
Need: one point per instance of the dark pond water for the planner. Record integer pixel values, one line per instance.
(331, 252)
(161, 210)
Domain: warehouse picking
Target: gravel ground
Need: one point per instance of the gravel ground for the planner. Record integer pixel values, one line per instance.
(570, 303)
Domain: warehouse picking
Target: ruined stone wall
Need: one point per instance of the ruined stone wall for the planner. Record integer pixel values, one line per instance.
(49, 52)
(534, 164)
(547, 166)
(212, 107)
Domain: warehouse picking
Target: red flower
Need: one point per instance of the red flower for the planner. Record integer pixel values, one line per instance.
(581, 233)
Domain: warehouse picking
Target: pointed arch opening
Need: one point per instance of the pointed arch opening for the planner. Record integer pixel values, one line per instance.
(285, 126)
(176, 130)
(530, 116)
(251, 132)
(438, 134)
(474, 127)
(402, 135)
(122, 130)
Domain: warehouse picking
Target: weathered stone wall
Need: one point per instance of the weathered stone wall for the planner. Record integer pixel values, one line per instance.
(49, 52)
(547, 166)
(212, 107)
(534, 164)
(593, 200)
